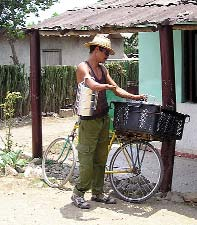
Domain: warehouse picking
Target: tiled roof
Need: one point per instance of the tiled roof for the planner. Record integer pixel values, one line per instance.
(127, 14)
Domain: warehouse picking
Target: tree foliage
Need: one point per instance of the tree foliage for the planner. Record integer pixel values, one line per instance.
(15, 12)
(131, 45)
(13, 15)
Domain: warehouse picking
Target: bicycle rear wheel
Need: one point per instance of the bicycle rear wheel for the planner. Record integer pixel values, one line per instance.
(58, 162)
(136, 171)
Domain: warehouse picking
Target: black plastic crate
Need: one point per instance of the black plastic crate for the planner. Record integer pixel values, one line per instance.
(170, 125)
(148, 119)
(136, 117)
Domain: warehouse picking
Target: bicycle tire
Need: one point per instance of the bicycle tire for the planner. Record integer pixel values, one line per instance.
(58, 162)
(145, 175)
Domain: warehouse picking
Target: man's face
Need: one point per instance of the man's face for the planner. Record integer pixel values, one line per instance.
(104, 50)
(104, 53)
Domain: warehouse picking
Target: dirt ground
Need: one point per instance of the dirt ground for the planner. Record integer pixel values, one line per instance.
(25, 201)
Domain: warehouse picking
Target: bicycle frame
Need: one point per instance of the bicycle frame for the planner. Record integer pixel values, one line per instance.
(127, 157)
(113, 138)
(69, 140)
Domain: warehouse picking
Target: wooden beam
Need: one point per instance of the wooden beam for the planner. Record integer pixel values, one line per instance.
(168, 100)
(109, 30)
(185, 27)
(35, 80)
(112, 30)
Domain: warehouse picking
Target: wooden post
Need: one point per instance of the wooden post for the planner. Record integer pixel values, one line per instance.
(168, 100)
(35, 77)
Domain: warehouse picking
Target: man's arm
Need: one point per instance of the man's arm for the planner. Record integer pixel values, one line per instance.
(121, 92)
(83, 73)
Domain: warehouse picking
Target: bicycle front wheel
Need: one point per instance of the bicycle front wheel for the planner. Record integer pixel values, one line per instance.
(136, 171)
(58, 162)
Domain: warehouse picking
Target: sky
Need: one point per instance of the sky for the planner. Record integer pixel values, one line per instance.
(59, 8)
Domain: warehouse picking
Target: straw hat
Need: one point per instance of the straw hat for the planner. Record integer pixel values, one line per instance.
(102, 42)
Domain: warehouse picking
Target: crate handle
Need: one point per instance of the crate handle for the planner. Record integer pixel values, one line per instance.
(134, 106)
(187, 116)
(146, 112)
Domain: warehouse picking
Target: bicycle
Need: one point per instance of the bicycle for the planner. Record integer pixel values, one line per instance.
(60, 158)
(135, 169)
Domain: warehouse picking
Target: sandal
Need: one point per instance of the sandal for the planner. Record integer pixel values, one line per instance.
(103, 198)
(80, 202)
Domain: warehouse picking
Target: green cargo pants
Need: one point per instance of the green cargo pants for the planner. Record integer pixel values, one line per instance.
(92, 153)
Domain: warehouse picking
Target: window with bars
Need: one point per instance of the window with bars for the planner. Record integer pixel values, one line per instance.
(51, 57)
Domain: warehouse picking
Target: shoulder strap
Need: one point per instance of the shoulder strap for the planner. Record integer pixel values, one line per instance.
(92, 71)
(102, 70)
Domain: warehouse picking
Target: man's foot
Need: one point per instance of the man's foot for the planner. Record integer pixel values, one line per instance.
(103, 198)
(80, 202)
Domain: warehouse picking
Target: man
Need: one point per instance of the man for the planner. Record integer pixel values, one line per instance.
(94, 130)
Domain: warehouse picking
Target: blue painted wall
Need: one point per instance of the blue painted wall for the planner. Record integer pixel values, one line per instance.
(150, 64)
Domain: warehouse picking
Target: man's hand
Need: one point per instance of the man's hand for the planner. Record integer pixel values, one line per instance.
(110, 87)
(141, 97)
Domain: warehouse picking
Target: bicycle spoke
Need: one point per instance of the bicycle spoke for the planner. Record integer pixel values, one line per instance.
(143, 180)
(58, 162)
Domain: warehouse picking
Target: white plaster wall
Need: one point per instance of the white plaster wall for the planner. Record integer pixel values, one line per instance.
(73, 50)
(5, 52)
(22, 51)
(188, 143)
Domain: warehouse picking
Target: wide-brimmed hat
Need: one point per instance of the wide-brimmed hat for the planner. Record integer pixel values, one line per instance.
(102, 42)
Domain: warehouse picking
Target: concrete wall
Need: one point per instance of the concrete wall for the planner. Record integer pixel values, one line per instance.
(73, 51)
(188, 144)
(150, 83)
(150, 64)
(22, 51)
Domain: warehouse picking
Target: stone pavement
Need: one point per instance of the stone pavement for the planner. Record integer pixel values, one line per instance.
(185, 175)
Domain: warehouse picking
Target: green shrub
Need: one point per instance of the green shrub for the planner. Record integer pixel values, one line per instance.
(58, 84)
(12, 158)
(8, 112)
(7, 155)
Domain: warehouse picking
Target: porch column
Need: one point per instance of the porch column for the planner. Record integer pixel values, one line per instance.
(35, 77)
(168, 100)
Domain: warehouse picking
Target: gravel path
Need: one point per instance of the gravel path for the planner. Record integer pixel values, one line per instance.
(29, 202)
(23, 202)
